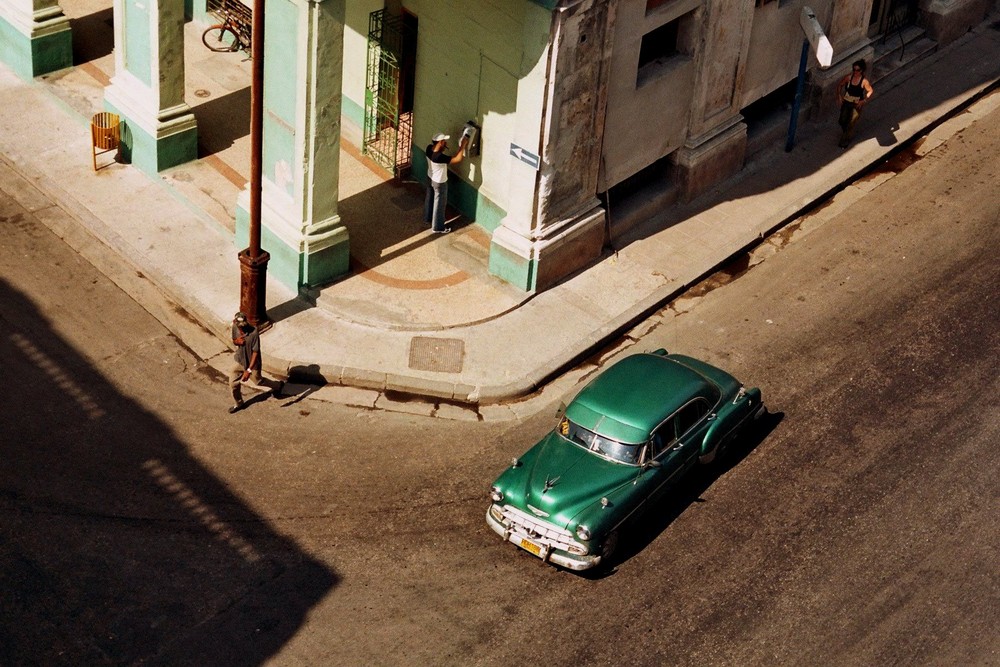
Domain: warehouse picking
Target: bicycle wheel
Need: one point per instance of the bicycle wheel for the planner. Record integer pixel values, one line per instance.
(220, 38)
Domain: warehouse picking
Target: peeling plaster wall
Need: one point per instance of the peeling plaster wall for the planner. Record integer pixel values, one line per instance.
(576, 106)
(645, 120)
(776, 46)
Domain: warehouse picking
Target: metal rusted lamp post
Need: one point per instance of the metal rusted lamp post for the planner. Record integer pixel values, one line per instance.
(253, 260)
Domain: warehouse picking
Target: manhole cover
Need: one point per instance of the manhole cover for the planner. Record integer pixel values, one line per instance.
(444, 355)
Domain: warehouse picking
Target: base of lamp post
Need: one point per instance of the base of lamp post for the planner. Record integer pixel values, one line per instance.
(253, 288)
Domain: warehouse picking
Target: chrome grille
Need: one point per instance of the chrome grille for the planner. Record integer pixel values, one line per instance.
(540, 531)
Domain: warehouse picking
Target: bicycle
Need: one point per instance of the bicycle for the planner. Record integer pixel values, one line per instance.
(233, 34)
(225, 38)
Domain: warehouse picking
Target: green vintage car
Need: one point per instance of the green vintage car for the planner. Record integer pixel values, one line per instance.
(622, 443)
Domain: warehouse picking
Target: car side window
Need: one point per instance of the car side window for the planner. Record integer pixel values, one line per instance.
(689, 415)
(663, 438)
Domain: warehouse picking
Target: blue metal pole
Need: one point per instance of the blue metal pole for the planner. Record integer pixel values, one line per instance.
(798, 97)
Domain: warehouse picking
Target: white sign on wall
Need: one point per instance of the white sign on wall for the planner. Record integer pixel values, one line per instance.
(525, 156)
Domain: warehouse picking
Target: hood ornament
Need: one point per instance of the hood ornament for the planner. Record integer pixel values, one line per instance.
(549, 483)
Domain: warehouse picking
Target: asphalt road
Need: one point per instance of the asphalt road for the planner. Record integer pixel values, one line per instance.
(140, 523)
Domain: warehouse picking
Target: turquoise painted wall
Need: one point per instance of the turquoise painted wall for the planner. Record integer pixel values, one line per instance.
(281, 86)
(199, 12)
(33, 57)
(472, 57)
(137, 40)
(353, 111)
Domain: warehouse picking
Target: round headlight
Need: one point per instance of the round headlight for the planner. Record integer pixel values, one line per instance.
(583, 532)
(496, 495)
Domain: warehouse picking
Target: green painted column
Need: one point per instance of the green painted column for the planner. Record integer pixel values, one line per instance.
(147, 91)
(35, 37)
(303, 63)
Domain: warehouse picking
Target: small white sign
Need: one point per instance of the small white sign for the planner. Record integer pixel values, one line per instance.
(524, 156)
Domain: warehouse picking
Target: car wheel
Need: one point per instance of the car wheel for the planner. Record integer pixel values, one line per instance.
(609, 546)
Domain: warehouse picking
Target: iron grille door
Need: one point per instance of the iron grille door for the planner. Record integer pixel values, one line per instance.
(387, 132)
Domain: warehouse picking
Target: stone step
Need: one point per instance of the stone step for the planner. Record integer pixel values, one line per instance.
(887, 45)
(641, 208)
(903, 57)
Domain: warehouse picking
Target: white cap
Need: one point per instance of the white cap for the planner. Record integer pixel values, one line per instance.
(441, 136)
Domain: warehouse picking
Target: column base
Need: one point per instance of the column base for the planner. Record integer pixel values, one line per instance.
(947, 20)
(253, 287)
(535, 265)
(36, 45)
(710, 159)
(315, 258)
(152, 141)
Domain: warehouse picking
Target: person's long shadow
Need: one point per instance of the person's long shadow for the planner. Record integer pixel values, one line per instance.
(117, 545)
(657, 517)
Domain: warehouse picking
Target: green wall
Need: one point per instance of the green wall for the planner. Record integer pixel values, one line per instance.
(137, 34)
(281, 86)
(33, 57)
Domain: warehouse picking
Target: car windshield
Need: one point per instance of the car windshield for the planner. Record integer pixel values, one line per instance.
(606, 447)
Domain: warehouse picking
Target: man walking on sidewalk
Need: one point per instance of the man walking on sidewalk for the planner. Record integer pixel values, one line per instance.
(247, 361)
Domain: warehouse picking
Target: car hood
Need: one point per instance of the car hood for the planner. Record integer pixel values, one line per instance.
(560, 479)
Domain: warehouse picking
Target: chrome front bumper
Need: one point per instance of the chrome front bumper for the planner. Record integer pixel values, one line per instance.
(548, 549)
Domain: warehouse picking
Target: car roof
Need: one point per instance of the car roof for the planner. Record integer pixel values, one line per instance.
(632, 397)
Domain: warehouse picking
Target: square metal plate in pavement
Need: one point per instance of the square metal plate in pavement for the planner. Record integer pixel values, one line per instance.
(445, 355)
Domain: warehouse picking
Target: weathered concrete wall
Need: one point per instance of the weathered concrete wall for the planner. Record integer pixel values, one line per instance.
(776, 41)
(575, 108)
(554, 223)
(947, 20)
(848, 27)
(726, 31)
(646, 119)
(776, 46)
(309, 245)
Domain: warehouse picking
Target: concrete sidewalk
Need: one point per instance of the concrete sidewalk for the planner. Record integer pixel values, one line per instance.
(420, 314)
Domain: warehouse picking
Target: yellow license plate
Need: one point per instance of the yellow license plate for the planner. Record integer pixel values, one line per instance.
(528, 545)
